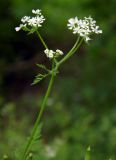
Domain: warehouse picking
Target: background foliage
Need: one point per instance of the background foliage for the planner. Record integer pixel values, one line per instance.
(82, 108)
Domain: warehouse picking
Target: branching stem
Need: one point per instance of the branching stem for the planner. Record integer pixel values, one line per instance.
(55, 66)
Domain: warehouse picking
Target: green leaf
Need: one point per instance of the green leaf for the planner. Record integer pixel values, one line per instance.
(38, 78)
(43, 67)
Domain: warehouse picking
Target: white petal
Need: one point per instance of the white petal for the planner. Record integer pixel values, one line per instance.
(17, 28)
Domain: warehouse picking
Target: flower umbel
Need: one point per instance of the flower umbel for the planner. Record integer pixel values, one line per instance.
(83, 27)
(50, 53)
(29, 23)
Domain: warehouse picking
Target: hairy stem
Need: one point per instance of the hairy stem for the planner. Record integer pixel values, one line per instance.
(30, 141)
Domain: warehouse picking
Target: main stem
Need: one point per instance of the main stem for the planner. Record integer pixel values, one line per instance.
(39, 117)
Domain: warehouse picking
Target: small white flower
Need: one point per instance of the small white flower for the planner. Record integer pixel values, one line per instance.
(32, 21)
(59, 52)
(20, 27)
(87, 39)
(83, 27)
(38, 11)
(17, 29)
(49, 53)
(96, 30)
(25, 19)
(72, 22)
(39, 20)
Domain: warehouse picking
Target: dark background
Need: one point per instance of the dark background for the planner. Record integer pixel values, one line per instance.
(81, 110)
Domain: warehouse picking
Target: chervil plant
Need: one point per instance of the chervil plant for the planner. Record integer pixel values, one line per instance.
(83, 29)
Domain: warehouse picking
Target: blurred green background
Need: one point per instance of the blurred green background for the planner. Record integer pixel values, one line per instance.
(81, 110)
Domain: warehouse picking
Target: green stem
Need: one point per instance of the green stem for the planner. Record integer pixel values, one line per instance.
(67, 55)
(76, 48)
(54, 69)
(39, 117)
(71, 52)
(43, 42)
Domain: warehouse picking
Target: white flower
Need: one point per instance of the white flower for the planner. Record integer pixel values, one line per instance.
(59, 52)
(30, 22)
(39, 20)
(25, 19)
(96, 30)
(49, 53)
(36, 21)
(83, 27)
(20, 27)
(72, 22)
(38, 11)
(17, 29)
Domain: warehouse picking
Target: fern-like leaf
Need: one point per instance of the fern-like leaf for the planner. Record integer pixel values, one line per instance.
(38, 78)
(43, 67)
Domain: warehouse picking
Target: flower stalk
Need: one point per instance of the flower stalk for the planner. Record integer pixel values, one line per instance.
(43, 42)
